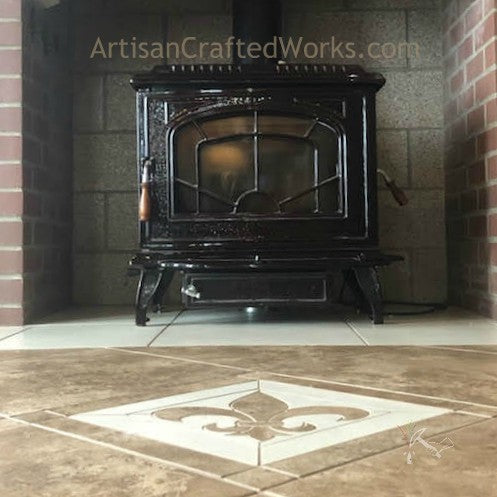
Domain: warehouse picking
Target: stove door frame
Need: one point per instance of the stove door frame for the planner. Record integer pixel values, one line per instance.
(357, 229)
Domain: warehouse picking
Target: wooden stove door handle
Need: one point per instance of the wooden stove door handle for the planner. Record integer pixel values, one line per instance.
(144, 207)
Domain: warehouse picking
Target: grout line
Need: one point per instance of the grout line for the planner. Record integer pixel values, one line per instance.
(193, 361)
(478, 415)
(474, 351)
(16, 333)
(166, 327)
(306, 378)
(385, 451)
(130, 452)
(280, 471)
(351, 326)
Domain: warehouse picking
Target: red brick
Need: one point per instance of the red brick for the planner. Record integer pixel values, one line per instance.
(11, 262)
(32, 204)
(11, 316)
(493, 283)
(492, 231)
(483, 199)
(478, 226)
(485, 86)
(11, 233)
(10, 61)
(10, 34)
(10, 176)
(469, 201)
(468, 150)
(11, 119)
(466, 99)
(493, 253)
(490, 55)
(33, 261)
(11, 291)
(476, 120)
(456, 33)
(476, 173)
(491, 111)
(11, 203)
(457, 81)
(10, 9)
(465, 51)
(492, 167)
(10, 90)
(492, 196)
(487, 142)
(474, 68)
(474, 15)
(458, 129)
(10, 148)
(488, 5)
(485, 31)
(450, 110)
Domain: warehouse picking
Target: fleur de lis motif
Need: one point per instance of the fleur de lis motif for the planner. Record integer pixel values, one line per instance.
(260, 416)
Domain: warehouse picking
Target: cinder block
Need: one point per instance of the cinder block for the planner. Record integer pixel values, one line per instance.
(359, 28)
(396, 278)
(104, 162)
(425, 29)
(420, 223)
(411, 100)
(112, 28)
(88, 103)
(426, 148)
(89, 222)
(392, 155)
(430, 275)
(122, 222)
(120, 110)
(101, 279)
(205, 28)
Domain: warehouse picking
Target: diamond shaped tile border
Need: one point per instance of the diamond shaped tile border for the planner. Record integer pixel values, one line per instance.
(259, 422)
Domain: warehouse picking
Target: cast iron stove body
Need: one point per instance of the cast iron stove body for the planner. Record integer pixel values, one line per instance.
(258, 184)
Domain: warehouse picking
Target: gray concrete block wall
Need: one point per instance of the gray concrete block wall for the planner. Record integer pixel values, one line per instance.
(410, 137)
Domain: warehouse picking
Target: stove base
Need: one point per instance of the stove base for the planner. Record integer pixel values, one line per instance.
(253, 281)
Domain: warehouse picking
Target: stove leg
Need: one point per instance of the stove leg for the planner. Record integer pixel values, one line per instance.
(367, 278)
(149, 282)
(165, 281)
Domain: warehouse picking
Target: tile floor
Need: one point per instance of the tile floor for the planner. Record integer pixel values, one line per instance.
(285, 421)
(114, 327)
(230, 403)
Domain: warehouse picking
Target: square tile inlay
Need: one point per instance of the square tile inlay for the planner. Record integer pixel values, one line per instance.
(259, 422)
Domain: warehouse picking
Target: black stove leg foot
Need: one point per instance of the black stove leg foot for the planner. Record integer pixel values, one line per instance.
(149, 282)
(367, 278)
(165, 281)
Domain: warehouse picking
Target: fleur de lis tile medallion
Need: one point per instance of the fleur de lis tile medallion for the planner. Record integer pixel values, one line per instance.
(261, 416)
(259, 422)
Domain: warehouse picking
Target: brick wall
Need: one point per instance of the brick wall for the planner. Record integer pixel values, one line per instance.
(410, 134)
(11, 197)
(47, 158)
(470, 41)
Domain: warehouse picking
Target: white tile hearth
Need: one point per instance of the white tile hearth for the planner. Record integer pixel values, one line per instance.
(259, 422)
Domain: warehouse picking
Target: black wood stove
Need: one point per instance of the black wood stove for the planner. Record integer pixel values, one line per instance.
(258, 183)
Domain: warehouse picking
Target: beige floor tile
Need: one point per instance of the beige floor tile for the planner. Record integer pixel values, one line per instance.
(441, 373)
(34, 380)
(261, 478)
(202, 462)
(355, 450)
(47, 464)
(467, 469)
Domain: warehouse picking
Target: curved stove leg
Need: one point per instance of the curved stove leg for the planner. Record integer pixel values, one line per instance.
(147, 286)
(367, 278)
